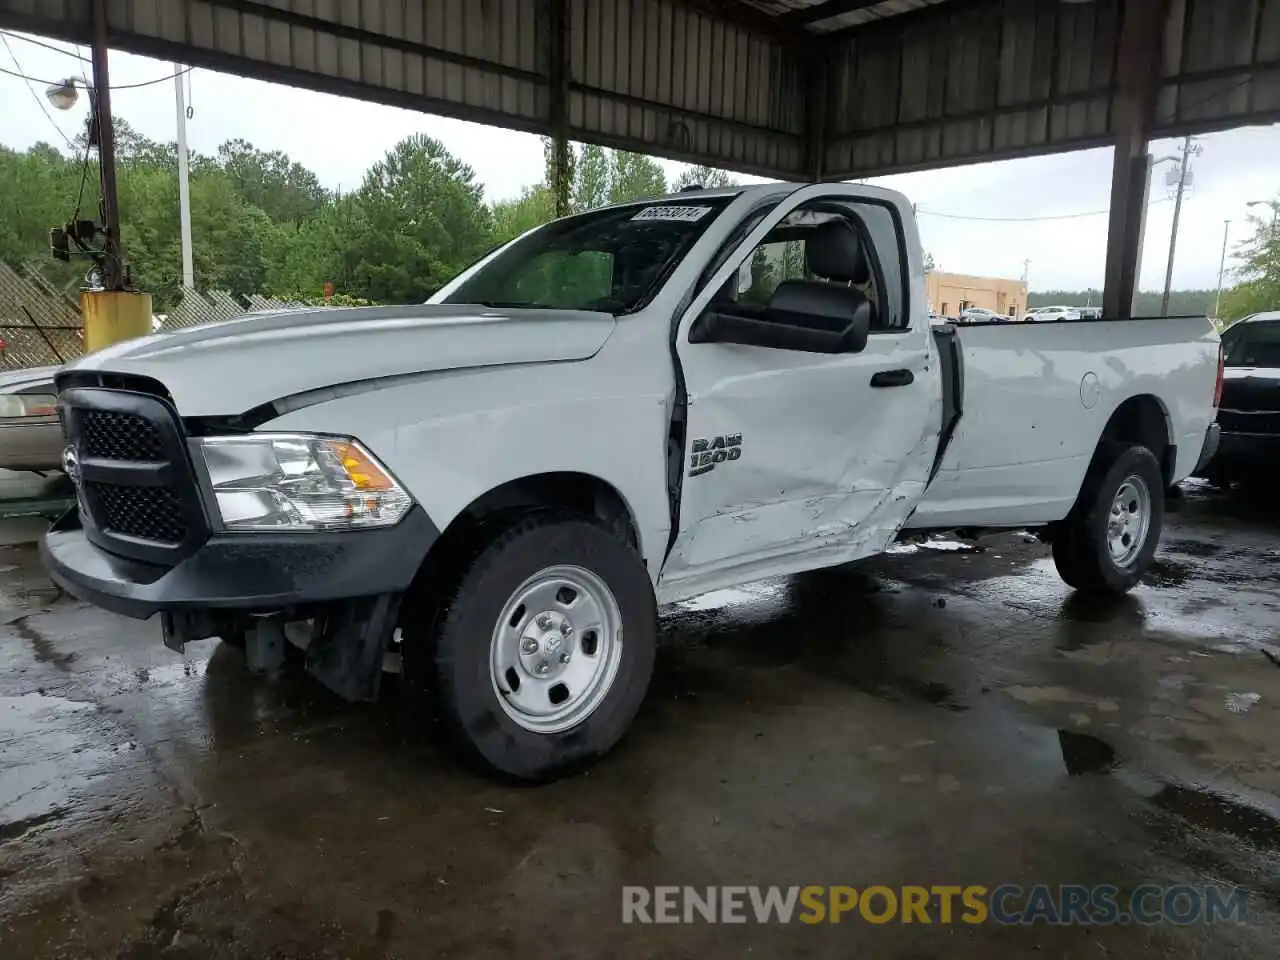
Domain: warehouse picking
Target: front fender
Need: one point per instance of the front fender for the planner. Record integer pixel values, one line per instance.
(454, 437)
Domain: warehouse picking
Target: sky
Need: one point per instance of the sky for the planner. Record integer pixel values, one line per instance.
(340, 138)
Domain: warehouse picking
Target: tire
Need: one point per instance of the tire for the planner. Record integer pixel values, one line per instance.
(496, 711)
(1087, 558)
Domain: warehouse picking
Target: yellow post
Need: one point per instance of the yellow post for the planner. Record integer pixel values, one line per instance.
(114, 315)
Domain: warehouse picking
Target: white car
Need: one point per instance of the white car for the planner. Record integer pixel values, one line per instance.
(981, 315)
(603, 415)
(1043, 314)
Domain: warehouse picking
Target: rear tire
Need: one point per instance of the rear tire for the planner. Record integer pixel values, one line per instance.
(1107, 541)
(544, 648)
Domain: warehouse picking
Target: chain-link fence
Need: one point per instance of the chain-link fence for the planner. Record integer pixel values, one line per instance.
(41, 325)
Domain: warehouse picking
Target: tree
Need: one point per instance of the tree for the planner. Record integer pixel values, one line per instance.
(763, 279)
(1259, 272)
(534, 207)
(416, 221)
(285, 191)
(709, 178)
(593, 178)
(635, 177)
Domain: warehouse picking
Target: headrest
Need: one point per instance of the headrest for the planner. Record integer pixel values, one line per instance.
(818, 299)
(834, 252)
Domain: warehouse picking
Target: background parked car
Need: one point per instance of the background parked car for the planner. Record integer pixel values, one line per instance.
(1249, 414)
(1041, 314)
(30, 436)
(981, 315)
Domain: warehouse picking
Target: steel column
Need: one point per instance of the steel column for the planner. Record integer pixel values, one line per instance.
(1138, 66)
(561, 158)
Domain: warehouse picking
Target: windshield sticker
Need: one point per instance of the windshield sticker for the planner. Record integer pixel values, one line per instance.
(683, 214)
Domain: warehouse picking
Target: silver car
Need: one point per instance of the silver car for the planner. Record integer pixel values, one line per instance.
(30, 435)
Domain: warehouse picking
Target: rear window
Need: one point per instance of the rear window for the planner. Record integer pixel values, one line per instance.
(1252, 345)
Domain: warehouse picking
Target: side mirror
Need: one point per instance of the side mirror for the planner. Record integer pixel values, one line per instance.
(785, 330)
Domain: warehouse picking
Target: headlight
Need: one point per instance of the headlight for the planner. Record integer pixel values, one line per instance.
(286, 481)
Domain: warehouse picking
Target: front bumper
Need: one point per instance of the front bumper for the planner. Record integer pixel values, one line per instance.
(242, 573)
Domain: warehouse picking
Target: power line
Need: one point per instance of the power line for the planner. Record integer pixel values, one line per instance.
(48, 46)
(115, 86)
(1060, 216)
(44, 108)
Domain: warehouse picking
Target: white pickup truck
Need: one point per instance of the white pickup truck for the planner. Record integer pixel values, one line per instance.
(617, 410)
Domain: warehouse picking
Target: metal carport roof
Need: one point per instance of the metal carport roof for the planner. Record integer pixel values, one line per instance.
(794, 89)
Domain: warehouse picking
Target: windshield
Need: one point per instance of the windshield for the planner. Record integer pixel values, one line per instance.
(1252, 345)
(612, 260)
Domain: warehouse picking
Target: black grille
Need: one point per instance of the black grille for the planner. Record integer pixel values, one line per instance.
(139, 496)
(151, 513)
(108, 435)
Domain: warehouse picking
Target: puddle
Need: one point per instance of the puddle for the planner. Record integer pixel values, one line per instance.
(47, 761)
(1191, 548)
(1082, 753)
(1166, 573)
(1214, 811)
(729, 597)
(938, 544)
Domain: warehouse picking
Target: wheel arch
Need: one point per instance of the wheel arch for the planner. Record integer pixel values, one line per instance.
(1143, 419)
(490, 512)
(568, 489)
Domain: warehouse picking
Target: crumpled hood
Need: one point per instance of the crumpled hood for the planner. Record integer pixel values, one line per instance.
(227, 368)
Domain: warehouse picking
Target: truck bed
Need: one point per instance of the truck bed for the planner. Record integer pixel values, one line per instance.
(1035, 397)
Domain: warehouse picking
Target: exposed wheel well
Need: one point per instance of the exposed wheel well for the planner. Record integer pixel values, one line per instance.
(1143, 420)
(468, 533)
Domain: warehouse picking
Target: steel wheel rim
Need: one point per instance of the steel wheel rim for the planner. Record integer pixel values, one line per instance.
(1129, 521)
(555, 649)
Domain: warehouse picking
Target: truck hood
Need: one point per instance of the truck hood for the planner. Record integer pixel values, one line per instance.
(227, 368)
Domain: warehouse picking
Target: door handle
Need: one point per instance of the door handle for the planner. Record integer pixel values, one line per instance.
(892, 378)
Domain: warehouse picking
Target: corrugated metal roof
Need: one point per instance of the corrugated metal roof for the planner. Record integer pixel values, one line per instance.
(782, 88)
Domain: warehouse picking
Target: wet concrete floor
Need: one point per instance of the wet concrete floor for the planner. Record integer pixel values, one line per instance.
(937, 716)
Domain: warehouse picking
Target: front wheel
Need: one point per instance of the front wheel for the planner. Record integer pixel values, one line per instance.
(545, 650)
(1108, 540)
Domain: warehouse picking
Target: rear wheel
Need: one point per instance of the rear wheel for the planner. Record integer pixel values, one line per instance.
(544, 650)
(1108, 540)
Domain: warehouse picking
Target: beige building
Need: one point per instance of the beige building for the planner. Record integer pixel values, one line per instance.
(949, 293)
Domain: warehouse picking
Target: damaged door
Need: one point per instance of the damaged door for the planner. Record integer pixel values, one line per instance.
(808, 450)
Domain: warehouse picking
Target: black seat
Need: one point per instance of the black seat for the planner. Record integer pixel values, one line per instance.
(834, 253)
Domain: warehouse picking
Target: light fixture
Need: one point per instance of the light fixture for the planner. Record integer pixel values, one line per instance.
(63, 95)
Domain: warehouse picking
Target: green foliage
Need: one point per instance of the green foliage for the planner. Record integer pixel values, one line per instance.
(709, 178)
(534, 207)
(285, 191)
(635, 177)
(763, 278)
(263, 222)
(1259, 272)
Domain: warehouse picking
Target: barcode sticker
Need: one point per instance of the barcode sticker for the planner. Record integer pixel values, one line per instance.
(669, 212)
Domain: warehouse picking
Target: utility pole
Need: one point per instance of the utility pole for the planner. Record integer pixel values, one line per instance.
(1188, 149)
(113, 275)
(184, 185)
(1222, 264)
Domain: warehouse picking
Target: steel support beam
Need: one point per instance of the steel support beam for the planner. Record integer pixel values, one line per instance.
(561, 157)
(1138, 65)
(816, 116)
